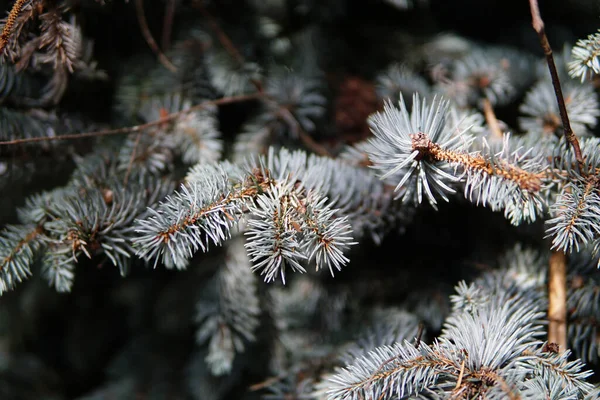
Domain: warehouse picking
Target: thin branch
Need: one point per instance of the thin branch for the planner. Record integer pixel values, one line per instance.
(460, 376)
(419, 335)
(538, 26)
(490, 117)
(141, 16)
(557, 300)
(136, 128)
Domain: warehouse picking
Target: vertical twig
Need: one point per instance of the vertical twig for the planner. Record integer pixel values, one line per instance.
(557, 274)
(557, 300)
(141, 16)
(538, 26)
(419, 335)
(490, 117)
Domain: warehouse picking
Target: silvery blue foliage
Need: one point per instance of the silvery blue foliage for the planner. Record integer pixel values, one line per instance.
(489, 347)
(511, 180)
(540, 114)
(394, 148)
(585, 57)
(575, 216)
(198, 214)
(289, 221)
(91, 216)
(481, 74)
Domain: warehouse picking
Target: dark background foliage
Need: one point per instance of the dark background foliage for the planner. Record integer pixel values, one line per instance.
(64, 346)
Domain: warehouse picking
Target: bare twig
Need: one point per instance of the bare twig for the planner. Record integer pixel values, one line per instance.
(141, 16)
(266, 383)
(460, 376)
(10, 22)
(557, 300)
(490, 117)
(557, 274)
(136, 128)
(538, 26)
(419, 335)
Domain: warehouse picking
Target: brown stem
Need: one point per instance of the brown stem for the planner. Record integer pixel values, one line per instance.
(10, 22)
(490, 117)
(526, 180)
(141, 16)
(538, 26)
(136, 128)
(557, 299)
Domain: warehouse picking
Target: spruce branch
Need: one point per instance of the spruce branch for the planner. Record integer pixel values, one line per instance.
(541, 116)
(202, 211)
(289, 221)
(585, 57)
(488, 348)
(401, 148)
(10, 27)
(20, 246)
(577, 215)
(421, 150)
(61, 40)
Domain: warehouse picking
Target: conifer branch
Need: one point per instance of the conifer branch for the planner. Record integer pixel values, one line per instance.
(476, 163)
(9, 25)
(290, 221)
(20, 245)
